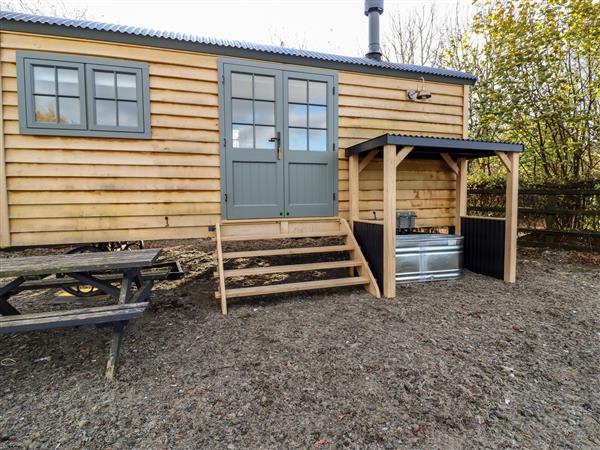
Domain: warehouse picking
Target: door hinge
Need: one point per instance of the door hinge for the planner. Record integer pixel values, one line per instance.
(334, 90)
(334, 146)
(334, 195)
(224, 142)
(225, 197)
(223, 78)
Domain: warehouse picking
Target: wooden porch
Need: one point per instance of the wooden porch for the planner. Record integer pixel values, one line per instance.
(394, 149)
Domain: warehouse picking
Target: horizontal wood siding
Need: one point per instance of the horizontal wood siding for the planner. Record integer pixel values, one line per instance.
(373, 105)
(76, 189)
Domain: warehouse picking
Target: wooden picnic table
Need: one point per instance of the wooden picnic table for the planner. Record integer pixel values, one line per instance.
(89, 269)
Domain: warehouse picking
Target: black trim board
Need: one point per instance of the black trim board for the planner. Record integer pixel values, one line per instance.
(220, 50)
(430, 147)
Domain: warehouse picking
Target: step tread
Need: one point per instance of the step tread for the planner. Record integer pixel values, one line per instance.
(290, 268)
(288, 251)
(293, 287)
(259, 237)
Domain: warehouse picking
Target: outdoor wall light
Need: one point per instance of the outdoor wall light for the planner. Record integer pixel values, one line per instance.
(420, 94)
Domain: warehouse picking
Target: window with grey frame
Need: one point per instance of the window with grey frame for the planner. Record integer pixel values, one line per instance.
(307, 115)
(65, 95)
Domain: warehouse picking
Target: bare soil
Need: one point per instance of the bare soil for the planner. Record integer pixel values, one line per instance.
(472, 363)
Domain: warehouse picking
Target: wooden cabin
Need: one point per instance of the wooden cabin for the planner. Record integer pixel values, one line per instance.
(114, 133)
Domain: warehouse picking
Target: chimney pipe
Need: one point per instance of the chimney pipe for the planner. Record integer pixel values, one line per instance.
(373, 9)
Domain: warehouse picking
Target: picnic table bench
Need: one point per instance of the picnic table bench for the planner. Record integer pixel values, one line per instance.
(99, 270)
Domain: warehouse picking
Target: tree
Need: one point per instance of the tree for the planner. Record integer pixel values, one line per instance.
(56, 8)
(538, 64)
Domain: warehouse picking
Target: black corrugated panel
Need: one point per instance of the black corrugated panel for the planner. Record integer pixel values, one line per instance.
(484, 246)
(370, 238)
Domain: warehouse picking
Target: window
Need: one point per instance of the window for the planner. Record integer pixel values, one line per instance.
(252, 110)
(76, 96)
(307, 112)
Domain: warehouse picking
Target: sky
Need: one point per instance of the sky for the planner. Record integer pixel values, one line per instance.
(334, 26)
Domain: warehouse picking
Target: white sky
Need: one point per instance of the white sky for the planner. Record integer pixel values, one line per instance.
(335, 26)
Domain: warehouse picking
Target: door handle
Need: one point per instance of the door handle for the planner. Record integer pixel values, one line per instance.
(277, 140)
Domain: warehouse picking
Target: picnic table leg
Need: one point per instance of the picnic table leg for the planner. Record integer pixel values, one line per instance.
(6, 309)
(115, 348)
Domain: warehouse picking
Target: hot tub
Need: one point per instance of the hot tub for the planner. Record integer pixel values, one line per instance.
(428, 257)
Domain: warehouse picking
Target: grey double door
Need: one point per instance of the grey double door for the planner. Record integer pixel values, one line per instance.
(279, 143)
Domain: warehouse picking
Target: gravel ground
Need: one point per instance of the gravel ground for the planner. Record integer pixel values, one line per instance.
(472, 363)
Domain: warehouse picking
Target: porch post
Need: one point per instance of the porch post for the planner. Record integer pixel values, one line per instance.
(353, 189)
(389, 221)
(461, 194)
(511, 220)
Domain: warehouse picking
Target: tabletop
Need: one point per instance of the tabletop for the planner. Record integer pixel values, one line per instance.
(78, 262)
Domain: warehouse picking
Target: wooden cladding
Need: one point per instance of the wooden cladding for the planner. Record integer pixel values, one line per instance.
(57, 189)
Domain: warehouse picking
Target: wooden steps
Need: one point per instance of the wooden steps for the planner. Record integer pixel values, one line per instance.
(288, 251)
(251, 231)
(289, 268)
(294, 287)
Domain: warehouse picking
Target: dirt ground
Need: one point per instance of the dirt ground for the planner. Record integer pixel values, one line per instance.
(472, 363)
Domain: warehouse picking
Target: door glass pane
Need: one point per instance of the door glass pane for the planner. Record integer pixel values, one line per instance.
(45, 109)
(317, 140)
(297, 115)
(241, 85)
(43, 80)
(105, 84)
(243, 136)
(126, 86)
(297, 91)
(263, 134)
(128, 114)
(70, 112)
(264, 113)
(68, 82)
(106, 112)
(317, 116)
(241, 111)
(317, 93)
(297, 138)
(264, 88)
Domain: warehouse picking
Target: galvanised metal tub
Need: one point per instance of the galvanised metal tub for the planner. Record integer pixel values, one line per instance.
(428, 257)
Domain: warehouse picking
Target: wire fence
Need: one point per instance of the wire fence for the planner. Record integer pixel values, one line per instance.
(548, 217)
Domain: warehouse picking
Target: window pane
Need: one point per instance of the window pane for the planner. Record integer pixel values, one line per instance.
(105, 84)
(68, 82)
(317, 116)
(43, 80)
(70, 112)
(317, 140)
(317, 93)
(243, 136)
(297, 139)
(241, 85)
(126, 86)
(45, 109)
(106, 112)
(297, 91)
(264, 88)
(128, 114)
(264, 113)
(297, 115)
(263, 134)
(241, 111)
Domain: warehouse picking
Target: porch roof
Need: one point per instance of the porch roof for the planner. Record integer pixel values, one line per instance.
(430, 147)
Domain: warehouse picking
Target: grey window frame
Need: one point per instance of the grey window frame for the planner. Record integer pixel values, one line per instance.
(25, 62)
(29, 64)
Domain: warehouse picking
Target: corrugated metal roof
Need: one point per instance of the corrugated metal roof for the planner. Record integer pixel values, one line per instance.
(436, 144)
(225, 43)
